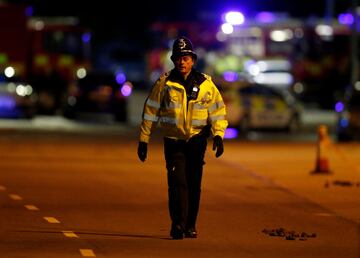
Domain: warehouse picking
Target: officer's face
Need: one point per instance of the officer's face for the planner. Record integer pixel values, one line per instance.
(184, 64)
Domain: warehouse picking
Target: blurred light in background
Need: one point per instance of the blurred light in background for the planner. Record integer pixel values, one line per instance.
(324, 30)
(230, 76)
(346, 18)
(9, 71)
(39, 25)
(230, 133)
(234, 18)
(274, 78)
(357, 86)
(81, 73)
(265, 17)
(86, 37)
(275, 72)
(253, 69)
(24, 90)
(120, 78)
(274, 65)
(248, 64)
(339, 107)
(281, 35)
(126, 89)
(7, 102)
(227, 28)
(11, 87)
(29, 11)
(344, 122)
(298, 88)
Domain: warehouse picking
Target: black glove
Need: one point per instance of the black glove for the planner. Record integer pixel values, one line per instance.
(142, 151)
(218, 146)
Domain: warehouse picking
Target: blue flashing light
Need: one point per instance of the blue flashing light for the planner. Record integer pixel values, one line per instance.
(126, 90)
(234, 18)
(230, 76)
(29, 10)
(86, 37)
(344, 122)
(230, 133)
(7, 103)
(339, 107)
(120, 78)
(346, 18)
(265, 17)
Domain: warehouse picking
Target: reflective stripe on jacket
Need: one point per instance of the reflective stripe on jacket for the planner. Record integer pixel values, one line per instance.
(168, 107)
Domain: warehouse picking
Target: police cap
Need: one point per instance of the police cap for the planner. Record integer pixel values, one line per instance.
(182, 46)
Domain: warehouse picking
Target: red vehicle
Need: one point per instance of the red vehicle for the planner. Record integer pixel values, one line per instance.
(46, 52)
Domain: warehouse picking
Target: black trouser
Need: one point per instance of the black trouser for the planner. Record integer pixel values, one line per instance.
(184, 164)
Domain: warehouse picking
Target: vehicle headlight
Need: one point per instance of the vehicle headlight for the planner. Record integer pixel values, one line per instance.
(24, 90)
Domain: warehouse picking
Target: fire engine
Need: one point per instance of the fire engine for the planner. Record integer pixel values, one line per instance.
(46, 52)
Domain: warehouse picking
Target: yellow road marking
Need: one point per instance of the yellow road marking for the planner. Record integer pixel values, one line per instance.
(51, 220)
(70, 234)
(87, 253)
(15, 197)
(2, 188)
(31, 207)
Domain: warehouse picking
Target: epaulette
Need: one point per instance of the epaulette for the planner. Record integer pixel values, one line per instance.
(207, 77)
(163, 77)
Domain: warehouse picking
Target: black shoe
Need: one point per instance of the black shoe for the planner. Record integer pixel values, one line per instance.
(177, 232)
(191, 233)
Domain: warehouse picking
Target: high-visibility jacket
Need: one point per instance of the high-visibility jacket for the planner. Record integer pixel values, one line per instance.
(168, 106)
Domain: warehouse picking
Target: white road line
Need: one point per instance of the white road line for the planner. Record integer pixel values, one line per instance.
(51, 220)
(2, 188)
(31, 207)
(15, 197)
(70, 234)
(87, 253)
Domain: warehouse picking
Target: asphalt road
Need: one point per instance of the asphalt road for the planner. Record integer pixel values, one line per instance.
(86, 195)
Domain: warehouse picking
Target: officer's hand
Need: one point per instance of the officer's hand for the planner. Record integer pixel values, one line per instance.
(218, 146)
(142, 151)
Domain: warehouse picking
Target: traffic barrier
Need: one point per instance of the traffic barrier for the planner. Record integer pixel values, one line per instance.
(322, 164)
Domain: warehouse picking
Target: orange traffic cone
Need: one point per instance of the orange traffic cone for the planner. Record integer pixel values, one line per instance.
(322, 153)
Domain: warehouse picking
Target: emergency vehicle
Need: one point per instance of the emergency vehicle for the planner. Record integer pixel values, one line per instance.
(45, 52)
(253, 106)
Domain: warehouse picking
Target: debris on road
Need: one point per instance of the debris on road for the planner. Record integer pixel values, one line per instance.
(289, 234)
(346, 183)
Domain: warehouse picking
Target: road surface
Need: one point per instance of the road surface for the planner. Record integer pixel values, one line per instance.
(87, 195)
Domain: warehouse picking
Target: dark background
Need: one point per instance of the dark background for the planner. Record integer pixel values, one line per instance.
(121, 29)
(130, 20)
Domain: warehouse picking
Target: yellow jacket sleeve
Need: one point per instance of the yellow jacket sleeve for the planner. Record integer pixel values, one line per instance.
(150, 115)
(217, 113)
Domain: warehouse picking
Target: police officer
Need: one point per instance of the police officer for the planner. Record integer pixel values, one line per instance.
(188, 107)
